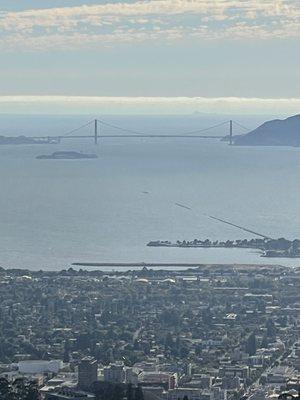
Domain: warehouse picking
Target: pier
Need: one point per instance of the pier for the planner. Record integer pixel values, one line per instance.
(134, 265)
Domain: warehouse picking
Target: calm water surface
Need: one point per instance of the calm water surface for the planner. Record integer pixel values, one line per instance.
(55, 212)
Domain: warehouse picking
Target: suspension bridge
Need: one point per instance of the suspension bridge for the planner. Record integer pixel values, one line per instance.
(97, 127)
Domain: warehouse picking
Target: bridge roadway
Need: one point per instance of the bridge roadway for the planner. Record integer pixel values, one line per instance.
(127, 136)
(129, 133)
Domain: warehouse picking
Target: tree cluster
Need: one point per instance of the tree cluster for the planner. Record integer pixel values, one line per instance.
(19, 389)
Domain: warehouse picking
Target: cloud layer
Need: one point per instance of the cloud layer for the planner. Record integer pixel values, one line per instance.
(155, 105)
(152, 20)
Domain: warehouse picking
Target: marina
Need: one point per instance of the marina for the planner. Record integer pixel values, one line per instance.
(281, 248)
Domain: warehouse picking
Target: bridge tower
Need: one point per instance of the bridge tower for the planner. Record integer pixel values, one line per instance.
(96, 131)
(230, 132)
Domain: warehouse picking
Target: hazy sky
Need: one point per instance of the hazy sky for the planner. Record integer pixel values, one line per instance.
(168, 48)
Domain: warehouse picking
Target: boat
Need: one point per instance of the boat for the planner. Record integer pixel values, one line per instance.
(66, 155)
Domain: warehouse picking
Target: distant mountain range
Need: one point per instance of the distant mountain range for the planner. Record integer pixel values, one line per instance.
(273, 133)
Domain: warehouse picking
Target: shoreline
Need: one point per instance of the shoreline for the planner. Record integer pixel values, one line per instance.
(123, 269)
(270, 248)
(176, 265)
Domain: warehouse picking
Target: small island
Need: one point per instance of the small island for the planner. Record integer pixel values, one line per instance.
(269, 247)
(66, 155)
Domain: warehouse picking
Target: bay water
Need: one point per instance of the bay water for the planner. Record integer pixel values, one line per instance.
(55, 212)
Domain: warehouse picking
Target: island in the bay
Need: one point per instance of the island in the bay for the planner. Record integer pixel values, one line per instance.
(66, 155)
(269, 247)
(273, 133)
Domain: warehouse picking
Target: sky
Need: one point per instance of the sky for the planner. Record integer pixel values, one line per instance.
(150, 56)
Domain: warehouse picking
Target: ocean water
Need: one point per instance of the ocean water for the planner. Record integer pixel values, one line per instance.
(55, 212)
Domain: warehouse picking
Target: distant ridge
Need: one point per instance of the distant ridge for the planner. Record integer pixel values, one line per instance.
(273, 133)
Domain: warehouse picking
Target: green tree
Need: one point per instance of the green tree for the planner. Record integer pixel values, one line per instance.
(129, 392)
(24, 390)
(5, 389)
(139, 393)
(20, 389)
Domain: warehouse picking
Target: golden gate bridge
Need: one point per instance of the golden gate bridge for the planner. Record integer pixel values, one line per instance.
(97, 126)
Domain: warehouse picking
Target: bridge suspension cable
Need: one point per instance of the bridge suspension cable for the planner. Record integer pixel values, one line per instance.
(77, 129)
(147, 134)
(121, 129)
(241, 126)
(135, 133)
(206, 129)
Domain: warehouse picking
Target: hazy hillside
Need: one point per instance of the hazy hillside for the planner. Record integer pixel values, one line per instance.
(273, 133)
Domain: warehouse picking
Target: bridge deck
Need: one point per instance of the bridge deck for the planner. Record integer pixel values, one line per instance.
(127, 136)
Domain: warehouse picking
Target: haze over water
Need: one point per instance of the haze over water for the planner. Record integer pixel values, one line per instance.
(55, 212)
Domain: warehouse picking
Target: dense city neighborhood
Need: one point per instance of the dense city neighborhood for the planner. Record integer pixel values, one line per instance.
(217, 332)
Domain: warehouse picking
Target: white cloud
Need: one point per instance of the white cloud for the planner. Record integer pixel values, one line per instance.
(102, 24)
(156, 105)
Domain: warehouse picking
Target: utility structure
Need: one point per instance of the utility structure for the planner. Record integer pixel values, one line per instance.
(96, 131)
(230, 132)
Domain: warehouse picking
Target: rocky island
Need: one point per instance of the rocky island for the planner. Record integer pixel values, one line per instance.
(273, 133)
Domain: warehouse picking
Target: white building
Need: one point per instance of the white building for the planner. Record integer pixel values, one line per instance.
(39, 366)
(131, 376)
(114, 373)
(159, 378)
